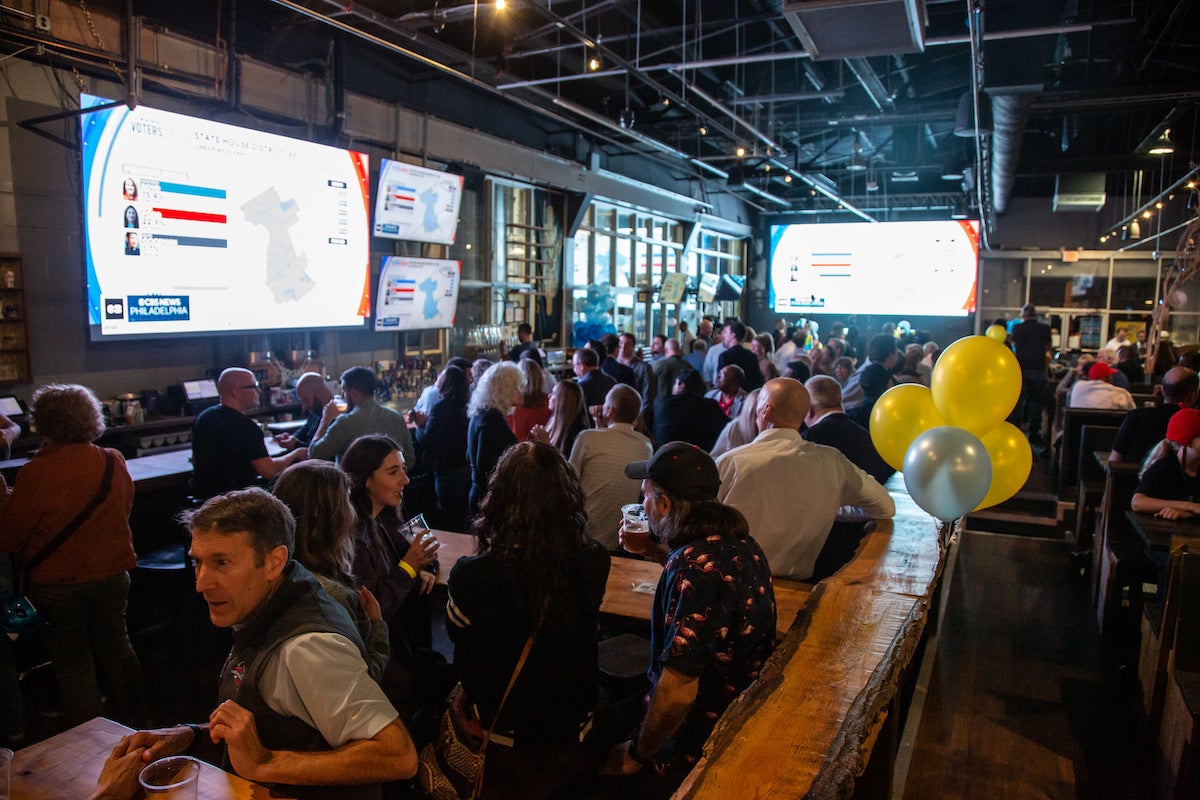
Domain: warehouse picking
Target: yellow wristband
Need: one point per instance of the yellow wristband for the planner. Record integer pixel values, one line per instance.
(407, 567)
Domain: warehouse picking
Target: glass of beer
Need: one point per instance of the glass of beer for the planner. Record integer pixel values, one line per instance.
(635, 528)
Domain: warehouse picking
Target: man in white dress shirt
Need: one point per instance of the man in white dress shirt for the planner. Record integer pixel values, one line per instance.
(600, 456)
(790, 490)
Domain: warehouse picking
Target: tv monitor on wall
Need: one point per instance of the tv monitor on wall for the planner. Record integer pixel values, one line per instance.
(416, 293)
(906, 268)
(417, 203)
(197, 227)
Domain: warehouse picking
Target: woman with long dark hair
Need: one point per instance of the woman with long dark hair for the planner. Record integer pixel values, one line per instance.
(534, 408)
(318, 495)
(538, 574)
(568, 416)
(443, 440)
(396, 569)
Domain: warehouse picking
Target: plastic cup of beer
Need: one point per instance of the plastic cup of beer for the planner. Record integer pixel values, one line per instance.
(173, 778)
(341, 403)
(635, 528)
(416, 526)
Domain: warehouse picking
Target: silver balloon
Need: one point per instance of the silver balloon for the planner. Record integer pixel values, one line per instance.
(947, 471)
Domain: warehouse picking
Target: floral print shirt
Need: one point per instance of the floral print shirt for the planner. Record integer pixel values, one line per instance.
(714, 617)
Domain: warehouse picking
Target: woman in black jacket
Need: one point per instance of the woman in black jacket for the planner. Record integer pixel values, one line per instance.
(488, 434)
(442, 437)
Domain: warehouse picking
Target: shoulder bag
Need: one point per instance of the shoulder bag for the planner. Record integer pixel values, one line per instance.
(451, 766)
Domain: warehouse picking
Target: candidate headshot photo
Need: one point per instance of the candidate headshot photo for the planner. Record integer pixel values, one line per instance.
(130, 189)
(132, 247)
(131, 217)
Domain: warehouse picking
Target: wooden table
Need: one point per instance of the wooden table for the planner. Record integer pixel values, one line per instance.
(67, 765)
(630, 589)
(1161, 536)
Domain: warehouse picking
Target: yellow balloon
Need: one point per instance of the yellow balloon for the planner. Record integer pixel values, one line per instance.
(899, 416)
(996, 332)
(1011, 461)
(976, 382)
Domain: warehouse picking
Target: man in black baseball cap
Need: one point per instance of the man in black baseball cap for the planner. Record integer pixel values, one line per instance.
(720, 629)
(683, 469)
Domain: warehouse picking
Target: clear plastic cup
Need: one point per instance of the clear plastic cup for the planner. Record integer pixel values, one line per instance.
(415, 526)
(173, 778)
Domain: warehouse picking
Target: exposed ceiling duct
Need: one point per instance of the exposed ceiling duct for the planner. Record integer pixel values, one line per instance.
(1009, 112)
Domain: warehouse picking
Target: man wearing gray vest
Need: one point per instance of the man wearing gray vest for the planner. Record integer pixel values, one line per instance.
(298, 711)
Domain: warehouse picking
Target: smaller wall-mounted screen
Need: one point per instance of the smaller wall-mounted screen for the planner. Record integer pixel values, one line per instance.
(195, 227)
(416, 293)
(417, 203)
(907, 268)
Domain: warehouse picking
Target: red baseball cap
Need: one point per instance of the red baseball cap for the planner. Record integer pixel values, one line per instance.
(1184, 426)
(1099, 371)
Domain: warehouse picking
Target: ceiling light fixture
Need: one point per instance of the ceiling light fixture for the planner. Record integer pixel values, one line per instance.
(964, 117)
(593, 63)
(961, 208)
(1162, 145)
(952, 169)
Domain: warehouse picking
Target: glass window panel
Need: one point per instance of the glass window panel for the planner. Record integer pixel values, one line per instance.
(604, 253)
(1083, 284)
(624, 310)
(580, 275)
(624, 262)
(1135, 285)
(605, 217)
(645, 268)
(1184, 328)
(625, 222)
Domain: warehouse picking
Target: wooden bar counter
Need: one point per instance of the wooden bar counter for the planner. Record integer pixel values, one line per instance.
(829, 696)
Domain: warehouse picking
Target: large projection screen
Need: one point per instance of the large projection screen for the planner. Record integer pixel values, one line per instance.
(195, 227)
(910, 268)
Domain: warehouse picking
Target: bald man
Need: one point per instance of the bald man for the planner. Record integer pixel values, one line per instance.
(228, 450)
(1145, 427)
(313, 393)
(790, 490)
(600, 456)
(828, 425)
(667, 368)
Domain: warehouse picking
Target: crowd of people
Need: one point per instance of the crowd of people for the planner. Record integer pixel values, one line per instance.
(312, 557)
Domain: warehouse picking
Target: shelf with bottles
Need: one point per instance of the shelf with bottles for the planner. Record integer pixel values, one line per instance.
(14, 324)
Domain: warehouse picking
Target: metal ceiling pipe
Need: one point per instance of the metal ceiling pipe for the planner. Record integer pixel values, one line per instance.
(1009, 113)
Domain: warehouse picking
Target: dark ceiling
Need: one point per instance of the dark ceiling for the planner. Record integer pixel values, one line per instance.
(1076, 87)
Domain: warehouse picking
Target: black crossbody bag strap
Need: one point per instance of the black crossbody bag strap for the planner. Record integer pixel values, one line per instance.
(80, 518)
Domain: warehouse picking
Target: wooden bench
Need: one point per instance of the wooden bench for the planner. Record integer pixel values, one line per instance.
(1090, 486)
(826, 711)
(1068, 447)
